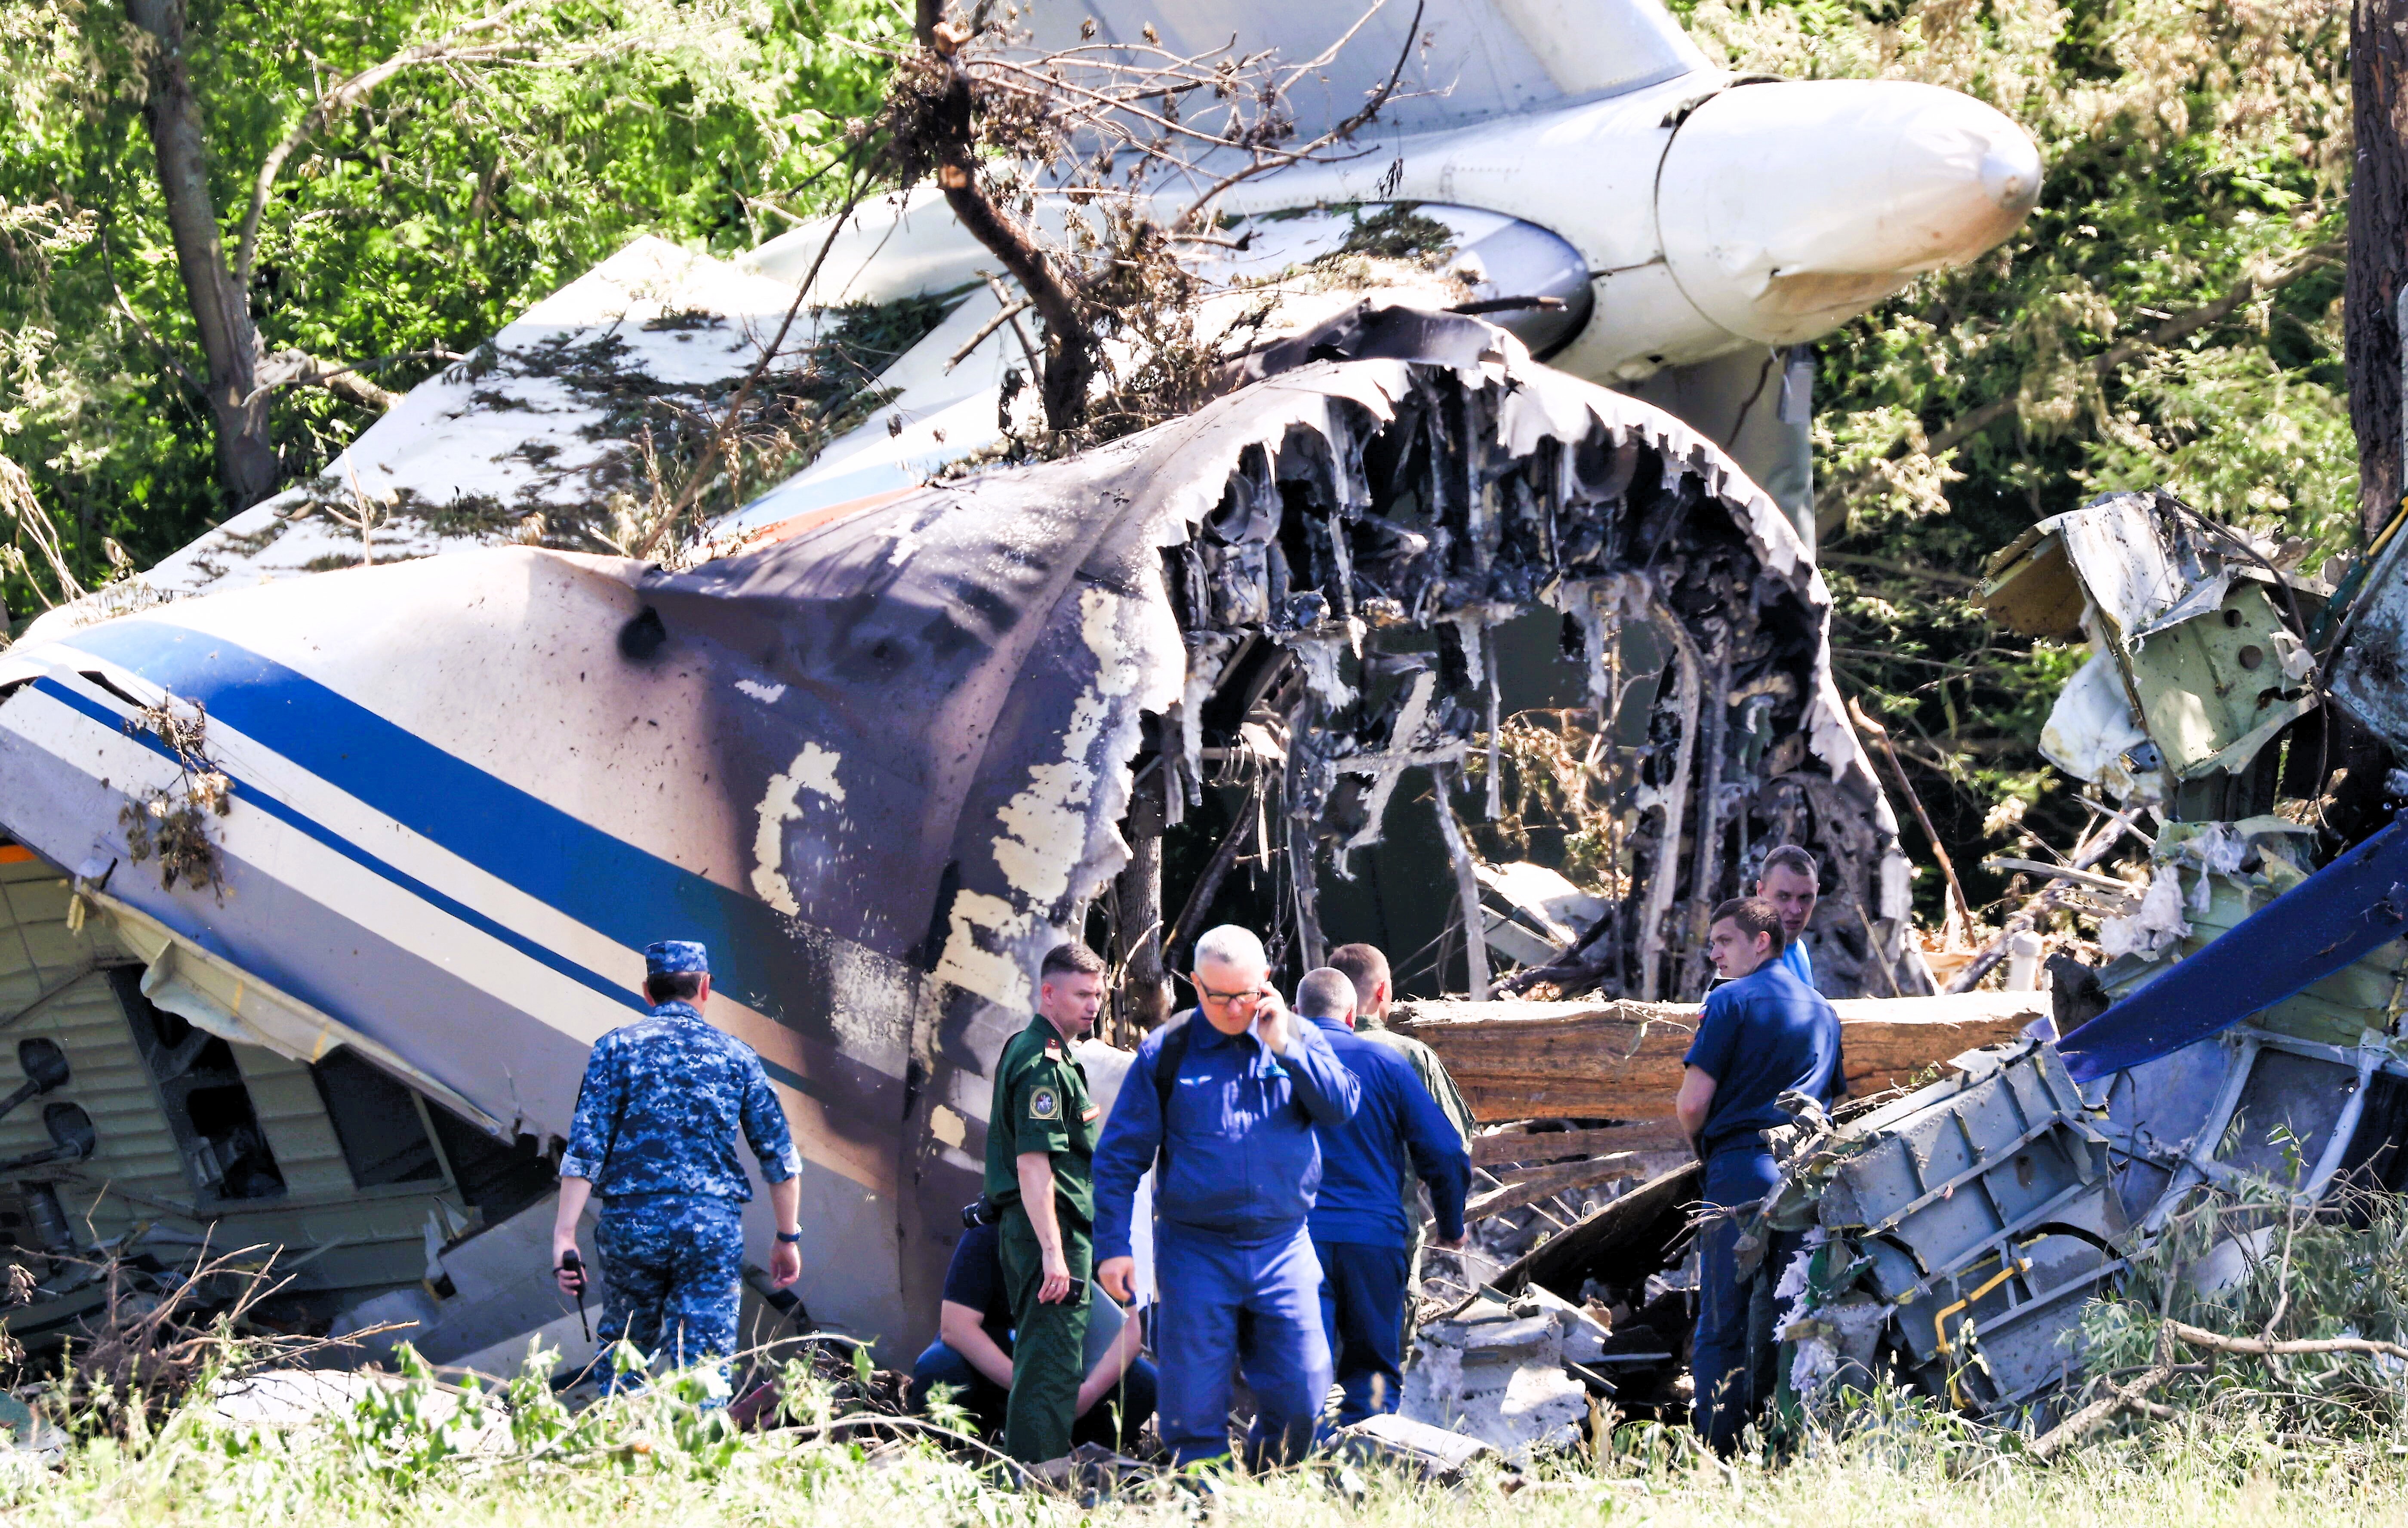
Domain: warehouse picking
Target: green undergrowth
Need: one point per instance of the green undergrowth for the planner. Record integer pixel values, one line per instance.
(422, 1454)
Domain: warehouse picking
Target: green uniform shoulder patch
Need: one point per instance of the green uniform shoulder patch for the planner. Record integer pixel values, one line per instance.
(1044, 1104)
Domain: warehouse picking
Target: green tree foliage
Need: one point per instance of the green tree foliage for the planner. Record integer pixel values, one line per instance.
(2197, 157)
(419, 220)
(2169, 314)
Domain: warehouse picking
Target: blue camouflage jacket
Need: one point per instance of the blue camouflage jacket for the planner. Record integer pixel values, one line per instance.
(658, 1112)
(1243, 1160)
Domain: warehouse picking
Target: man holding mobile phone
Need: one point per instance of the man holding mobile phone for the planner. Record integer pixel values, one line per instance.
(1229, 1127)
(1040, 1144)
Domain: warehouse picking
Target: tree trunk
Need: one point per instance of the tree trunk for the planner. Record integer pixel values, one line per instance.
(1069, 344)
(221, 308)
(2378, 250)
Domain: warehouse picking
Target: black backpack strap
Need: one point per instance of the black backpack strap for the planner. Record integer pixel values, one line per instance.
(1166, 1062)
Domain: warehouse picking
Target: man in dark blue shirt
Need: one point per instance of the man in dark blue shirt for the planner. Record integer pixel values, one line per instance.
(973, 1353)
(1764, 1032)
(1359, 1233)
(1240, 1165)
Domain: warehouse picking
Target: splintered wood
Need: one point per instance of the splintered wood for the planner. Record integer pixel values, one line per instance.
(1622, 1060)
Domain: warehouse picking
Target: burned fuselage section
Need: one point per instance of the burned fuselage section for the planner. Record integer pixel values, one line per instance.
(880, 758)
(1369, 591)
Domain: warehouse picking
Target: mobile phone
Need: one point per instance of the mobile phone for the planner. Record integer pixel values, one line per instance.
(1077, 1292)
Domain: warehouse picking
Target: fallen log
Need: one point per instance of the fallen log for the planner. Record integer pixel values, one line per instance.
(1622, 1060)
(1532, 1184)
(1559, 1145)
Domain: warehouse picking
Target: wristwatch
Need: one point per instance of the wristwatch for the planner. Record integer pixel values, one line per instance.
(790, 1237)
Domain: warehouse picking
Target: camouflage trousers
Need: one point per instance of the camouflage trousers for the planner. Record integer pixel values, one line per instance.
(671, 1270)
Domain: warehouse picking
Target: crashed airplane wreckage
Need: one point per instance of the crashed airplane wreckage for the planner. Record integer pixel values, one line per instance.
(326, 885)
(2243, 1030)
(324, 878)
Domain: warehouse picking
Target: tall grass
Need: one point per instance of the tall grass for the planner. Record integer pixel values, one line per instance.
(2245, 1442)
(419, 1456)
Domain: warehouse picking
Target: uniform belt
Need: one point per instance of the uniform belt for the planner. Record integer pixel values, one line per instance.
(663, 1196)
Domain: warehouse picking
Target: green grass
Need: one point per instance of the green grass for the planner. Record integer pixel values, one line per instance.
(657, 1460)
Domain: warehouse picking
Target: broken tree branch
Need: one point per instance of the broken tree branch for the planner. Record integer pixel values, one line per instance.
(1960, 911)
(2200, 1336)
(298, 368)
(2098, 1414)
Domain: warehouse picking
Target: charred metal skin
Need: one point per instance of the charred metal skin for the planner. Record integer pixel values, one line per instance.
(881, 759)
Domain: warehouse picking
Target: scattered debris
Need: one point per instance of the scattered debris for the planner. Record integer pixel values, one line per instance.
(1985, 1202)
(1437, 1454)
(1496, 1369)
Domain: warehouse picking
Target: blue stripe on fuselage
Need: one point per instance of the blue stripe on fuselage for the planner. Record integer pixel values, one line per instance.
(605, 883)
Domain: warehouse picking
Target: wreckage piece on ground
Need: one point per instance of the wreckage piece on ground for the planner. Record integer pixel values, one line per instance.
(2245, 1030)
(1968, 1223)
(881, 761)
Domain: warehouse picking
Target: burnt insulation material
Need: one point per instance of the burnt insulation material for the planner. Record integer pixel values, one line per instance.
(971, 673)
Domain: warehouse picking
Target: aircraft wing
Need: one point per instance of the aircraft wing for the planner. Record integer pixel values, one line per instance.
(1470, 61)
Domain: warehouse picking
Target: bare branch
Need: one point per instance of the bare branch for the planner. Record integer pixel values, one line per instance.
(2199, 1336)
(717, 445)
(2099, 1413)
(297, 368)
(1012, 310)
(1340, 134)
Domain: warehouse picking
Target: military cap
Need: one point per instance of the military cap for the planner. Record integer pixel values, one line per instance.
(674, 956)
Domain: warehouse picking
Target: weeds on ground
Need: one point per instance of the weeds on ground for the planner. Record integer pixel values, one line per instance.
(2241, 1438)
(425, 1452)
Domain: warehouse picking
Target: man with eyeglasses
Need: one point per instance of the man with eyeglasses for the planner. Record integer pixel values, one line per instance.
(1229, 1127)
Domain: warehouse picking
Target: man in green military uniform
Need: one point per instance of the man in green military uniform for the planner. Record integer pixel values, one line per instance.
(1040, 1144)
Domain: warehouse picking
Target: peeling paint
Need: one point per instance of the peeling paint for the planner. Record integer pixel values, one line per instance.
(813, 770)
(981, 942)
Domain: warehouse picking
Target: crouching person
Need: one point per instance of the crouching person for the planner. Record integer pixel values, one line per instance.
(972, 1354)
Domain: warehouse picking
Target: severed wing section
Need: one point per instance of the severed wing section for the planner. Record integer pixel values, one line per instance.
(1467, 62)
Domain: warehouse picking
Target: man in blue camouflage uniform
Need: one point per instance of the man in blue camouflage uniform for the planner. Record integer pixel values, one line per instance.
(656, 1135)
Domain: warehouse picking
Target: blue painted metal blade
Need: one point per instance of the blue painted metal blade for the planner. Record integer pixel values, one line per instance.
(2340, 913)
